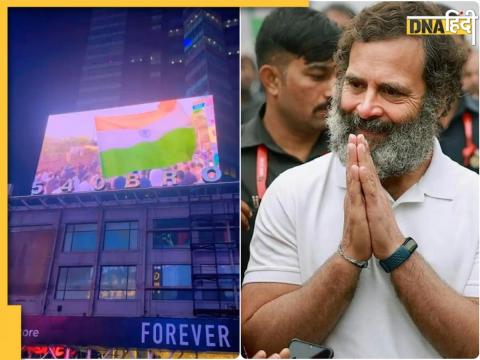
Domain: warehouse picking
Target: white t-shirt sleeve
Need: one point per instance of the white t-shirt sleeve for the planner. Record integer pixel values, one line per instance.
(471, 288)
(273, 249)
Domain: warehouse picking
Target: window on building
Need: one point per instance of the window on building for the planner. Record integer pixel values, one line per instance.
(207, 295)
(121, 235)
(171, 223)
(80, 237)
(210, 236)
(118, 282)
(227, 283)
(228, 269)
(74, 283)
(227, 295)
(171, 239)
(174, 281)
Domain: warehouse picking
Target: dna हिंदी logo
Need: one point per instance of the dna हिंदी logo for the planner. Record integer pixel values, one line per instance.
(453, 23)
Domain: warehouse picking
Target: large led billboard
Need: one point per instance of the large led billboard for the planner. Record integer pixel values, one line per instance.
(162, 143)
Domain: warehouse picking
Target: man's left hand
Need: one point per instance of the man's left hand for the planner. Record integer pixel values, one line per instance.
(384, 232)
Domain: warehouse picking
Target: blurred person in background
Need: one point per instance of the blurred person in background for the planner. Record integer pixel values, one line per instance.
(339, 13)
(294, 50)
(470, 74)
(459, 132)
(251, 96)
(459, 127)
(334, 256)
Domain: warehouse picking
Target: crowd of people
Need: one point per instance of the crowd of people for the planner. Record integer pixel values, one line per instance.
(71, 176)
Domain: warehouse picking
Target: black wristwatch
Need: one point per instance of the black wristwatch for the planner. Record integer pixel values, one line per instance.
(399, 256)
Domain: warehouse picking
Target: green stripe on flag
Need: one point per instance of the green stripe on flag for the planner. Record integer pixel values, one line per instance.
(175, 146)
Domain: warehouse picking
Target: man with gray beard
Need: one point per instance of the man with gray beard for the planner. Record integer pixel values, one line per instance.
(373, 249)
(404, 148)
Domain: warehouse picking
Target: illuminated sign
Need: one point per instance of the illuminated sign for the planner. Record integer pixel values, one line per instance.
(197, 334)
(157, 144)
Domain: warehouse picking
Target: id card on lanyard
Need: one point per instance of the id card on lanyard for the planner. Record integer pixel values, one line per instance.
(261, 175)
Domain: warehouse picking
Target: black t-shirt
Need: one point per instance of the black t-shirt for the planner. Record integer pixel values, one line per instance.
(254, 134)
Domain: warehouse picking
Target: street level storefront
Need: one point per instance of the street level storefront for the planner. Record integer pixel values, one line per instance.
(204, 335)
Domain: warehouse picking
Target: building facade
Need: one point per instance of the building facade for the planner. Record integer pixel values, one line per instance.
(159, 265)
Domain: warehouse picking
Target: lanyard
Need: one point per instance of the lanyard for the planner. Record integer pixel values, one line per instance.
(470, 147)
(262, 167)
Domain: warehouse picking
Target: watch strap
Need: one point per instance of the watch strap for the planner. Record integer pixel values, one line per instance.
(399, 256)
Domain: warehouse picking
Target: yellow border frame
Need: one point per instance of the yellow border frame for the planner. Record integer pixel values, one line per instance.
(10, 316)
(155, 3)
(10, 328)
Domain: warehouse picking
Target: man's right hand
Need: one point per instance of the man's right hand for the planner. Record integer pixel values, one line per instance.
(246, 215)
(356, 241)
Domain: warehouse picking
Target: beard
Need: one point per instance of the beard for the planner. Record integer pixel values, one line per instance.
(405, 146)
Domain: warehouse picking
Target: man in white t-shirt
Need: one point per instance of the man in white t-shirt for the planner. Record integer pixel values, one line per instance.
(334, 257)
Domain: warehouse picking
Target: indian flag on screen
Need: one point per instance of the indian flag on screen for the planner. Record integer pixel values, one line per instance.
(148, 140)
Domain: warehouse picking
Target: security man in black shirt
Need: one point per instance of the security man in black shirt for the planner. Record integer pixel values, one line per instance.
(294, 50)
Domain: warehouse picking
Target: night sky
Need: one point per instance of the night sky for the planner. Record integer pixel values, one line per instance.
(44, 70)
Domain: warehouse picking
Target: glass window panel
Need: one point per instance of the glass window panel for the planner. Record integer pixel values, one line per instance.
(172, 295)
(228, 269)
(205, 236)
(162, 240)
(79, 278)
(118, 282)
(117, 240)
(118, 226)
(227, 295)
(121, 235)
(171, 239)
(202, 221)
(207, 269)
(133, 238)
(183, 239)
(205, 284)
(234, 236)
(227, 283)
(172, 277)
(221, 236)
(84, 241)
(224, 256)
(74, 283)
(206, 295)
(132, 278)
(113, 277)
(80, 237)
(131, 294)
(68, 242)
(176, 275)
(171, 223)
(104, 294)
(85, 227)
(62, 278)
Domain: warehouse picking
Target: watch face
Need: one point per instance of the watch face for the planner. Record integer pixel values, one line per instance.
(411, 245)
